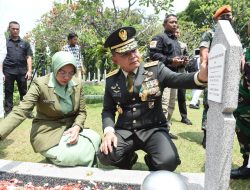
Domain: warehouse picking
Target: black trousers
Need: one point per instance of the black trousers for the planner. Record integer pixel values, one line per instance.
(181, 96)
(9, 89)
(161, 151)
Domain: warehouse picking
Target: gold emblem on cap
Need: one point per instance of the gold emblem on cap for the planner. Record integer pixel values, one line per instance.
(123, 34)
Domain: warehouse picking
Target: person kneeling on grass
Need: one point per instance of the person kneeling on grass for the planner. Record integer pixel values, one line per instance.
(134, 92)
(58, 131)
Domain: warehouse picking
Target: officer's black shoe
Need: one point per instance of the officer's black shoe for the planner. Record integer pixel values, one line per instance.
(192, 106)
(240, 173)
(186, 121)
(245, 160)
(172, 136)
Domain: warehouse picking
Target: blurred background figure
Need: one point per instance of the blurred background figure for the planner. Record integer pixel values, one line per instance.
(75, 49)
(195, 62)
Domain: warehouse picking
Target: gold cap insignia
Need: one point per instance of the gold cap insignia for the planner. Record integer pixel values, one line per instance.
(123, 34)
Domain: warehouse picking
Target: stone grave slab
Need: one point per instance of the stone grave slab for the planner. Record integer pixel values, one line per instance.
(195, 181)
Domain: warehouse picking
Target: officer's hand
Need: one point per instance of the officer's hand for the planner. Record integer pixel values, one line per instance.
(203, 74)
(28, 75)
(108, 142)
(185, 60)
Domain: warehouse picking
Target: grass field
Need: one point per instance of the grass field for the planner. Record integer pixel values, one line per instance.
(17, 146)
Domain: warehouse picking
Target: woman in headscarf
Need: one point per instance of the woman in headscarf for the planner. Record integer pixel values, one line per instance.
(58, 128)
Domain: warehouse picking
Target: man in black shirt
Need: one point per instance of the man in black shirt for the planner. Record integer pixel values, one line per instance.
(166, 48)
(17, 65)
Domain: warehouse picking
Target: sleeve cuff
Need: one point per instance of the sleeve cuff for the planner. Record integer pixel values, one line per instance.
(197, 82)
(108, 129)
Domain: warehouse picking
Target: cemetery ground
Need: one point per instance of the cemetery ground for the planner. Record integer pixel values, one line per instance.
(17, 146)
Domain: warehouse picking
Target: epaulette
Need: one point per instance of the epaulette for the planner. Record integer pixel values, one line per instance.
(112, 73)
(150, 64)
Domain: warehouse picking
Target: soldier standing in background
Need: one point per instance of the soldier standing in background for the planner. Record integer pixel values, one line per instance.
(242, 116)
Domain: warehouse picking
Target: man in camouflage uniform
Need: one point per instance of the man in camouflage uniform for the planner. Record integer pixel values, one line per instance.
(242, 116)
(223, 13)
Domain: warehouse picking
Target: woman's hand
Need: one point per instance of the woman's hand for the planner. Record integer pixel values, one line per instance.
(73, 132)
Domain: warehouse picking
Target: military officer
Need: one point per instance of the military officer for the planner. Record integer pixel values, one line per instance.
(141, 123)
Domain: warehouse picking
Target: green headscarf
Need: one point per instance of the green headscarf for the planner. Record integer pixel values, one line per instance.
(59, 60)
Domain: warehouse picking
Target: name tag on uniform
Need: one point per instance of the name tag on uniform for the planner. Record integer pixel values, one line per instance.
(48, 101)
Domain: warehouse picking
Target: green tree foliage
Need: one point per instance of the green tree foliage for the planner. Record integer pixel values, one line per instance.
(165, 5)
(201, 13)
(93, 23)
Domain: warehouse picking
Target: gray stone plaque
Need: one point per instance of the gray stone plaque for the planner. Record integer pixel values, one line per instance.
(216, 72)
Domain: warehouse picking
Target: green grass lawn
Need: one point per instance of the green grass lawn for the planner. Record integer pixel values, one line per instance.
(17, 146)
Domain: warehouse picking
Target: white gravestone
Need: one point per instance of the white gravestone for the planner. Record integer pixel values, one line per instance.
(223, 87)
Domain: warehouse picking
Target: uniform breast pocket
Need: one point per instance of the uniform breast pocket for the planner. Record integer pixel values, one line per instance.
(22, 50)
(9, 47)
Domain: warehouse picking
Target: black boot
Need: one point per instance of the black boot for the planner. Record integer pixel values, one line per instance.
(186, 121)
(245, 160)
(242, 172)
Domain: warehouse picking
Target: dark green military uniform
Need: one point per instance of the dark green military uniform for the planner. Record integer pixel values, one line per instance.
(206, 42)
(242, 113)
(141, 124)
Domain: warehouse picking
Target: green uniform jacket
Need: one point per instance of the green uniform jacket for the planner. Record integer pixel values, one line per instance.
(50, 122)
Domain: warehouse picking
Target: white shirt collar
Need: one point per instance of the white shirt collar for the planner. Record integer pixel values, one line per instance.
(126, 73)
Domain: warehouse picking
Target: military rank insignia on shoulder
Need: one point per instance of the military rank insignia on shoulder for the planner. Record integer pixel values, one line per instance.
(151, 64)
(112, 73)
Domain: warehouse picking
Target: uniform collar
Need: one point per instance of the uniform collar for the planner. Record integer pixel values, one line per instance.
(170, 34)
(126, 73)
(10, 39)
